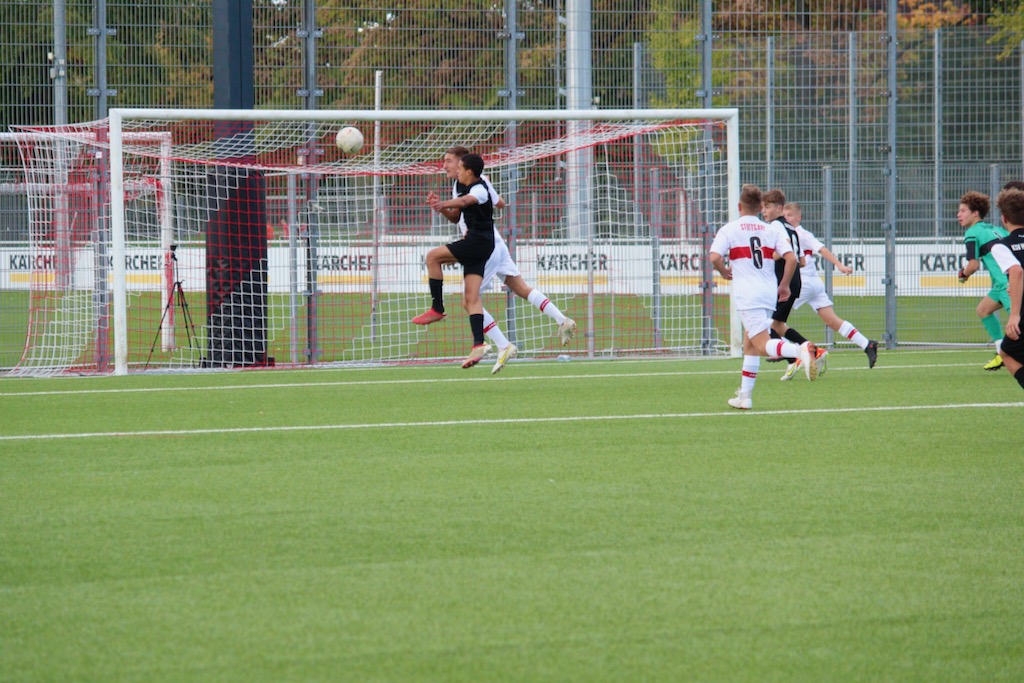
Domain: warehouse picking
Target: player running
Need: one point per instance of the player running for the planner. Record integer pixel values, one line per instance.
(978, 241)
(813, 290)
(751, 246)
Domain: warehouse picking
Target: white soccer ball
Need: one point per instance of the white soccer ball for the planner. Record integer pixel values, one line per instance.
(349, 140)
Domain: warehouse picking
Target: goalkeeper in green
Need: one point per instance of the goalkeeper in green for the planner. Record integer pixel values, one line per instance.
(979, 237)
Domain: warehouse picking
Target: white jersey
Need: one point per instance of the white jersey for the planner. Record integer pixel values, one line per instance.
(810, 245)
(751, 244)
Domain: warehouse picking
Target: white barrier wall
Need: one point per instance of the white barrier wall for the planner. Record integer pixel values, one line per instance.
(922, 269)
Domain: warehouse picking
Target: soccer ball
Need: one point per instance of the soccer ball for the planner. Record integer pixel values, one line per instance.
(349, 140)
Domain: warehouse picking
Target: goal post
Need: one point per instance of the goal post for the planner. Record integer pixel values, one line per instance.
(338, 270)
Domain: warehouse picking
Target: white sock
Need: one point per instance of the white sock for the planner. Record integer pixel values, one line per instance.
(999, 345)
(545, 306)
(851, 333)
(751, 364)
(781, 348)
(494, 332)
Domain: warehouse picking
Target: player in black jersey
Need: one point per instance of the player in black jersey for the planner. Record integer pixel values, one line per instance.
(1009, 255)
(773, 206)
(472, 251)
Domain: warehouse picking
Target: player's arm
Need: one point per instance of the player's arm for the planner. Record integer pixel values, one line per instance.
(452, 215)
(787, 274)
(718, 263)
(1015, 286)
(973, 264)
(831, 258)
(456, 204)
(1008, 263)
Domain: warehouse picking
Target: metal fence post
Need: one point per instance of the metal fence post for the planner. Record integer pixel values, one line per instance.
(890, 177)
(826, 221)
(937, 131)
(852, 134)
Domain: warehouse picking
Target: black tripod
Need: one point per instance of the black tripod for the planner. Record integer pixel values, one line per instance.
(175, 296)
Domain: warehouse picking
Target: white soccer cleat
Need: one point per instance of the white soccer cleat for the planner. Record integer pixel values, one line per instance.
(791, 370)
(808, 357)
(504, 356)
(742, 401)
(475, 355)
(566, 331)
(822, 361)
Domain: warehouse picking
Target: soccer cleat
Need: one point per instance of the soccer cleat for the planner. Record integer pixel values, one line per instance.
(822, 360)
(475, 355)
(504, 356)
(791, 370)
(775, 359)
(566, 331)
(742, 401)
(872, 350)
(808, 356)
(994, 364)
(431, 316)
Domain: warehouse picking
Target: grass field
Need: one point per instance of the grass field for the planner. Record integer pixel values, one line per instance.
(583, 521)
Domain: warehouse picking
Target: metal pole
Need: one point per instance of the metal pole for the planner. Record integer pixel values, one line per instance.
(293, 268)
(826, 221)
(769, 138)
(851, 179)
(638, 214)
(309, 33)
(579, 78)
(512, 37)
(937, 132)
(995, 182)
(378, 205)
(656, 220)
(100, 32)
(59, 70)
(890, 179)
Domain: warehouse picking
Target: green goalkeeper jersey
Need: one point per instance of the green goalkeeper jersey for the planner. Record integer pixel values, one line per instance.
(979, 239)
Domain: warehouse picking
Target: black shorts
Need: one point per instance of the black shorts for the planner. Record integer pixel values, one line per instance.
(472, 251)
(1014, 348)
(784, 308)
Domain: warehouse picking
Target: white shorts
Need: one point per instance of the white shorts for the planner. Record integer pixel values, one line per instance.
(813, 293)
(756, 320)
(500, 265)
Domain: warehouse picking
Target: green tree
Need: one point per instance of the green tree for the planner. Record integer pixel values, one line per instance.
(1008, 18)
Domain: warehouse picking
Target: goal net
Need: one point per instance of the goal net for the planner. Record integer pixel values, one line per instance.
(188, 239)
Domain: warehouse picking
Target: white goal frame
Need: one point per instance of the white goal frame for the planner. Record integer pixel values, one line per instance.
(118, 117)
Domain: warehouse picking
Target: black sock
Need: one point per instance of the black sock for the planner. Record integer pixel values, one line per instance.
(476, 323)
(436, 296)
(1019, 376)
(795, 337)
(773, 334)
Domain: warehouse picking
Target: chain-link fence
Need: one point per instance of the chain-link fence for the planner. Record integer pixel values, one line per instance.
(813, 82)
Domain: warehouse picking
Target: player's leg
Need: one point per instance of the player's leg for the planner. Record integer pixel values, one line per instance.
(987, 308)
(474, 306)
(847, 330)
(436, 257)
(757, 342)
(506, 349)
(566, 325)
(1012, 353)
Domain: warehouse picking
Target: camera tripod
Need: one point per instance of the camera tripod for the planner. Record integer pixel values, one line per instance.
(175, 297)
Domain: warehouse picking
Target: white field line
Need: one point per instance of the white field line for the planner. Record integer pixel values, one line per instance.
(509, 421)
(505, 377)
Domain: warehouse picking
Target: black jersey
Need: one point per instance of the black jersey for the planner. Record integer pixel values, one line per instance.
(479, 217)
(780, 265)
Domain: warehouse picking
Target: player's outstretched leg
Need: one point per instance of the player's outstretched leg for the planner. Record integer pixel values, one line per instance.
(504, 356)
(872, 351)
